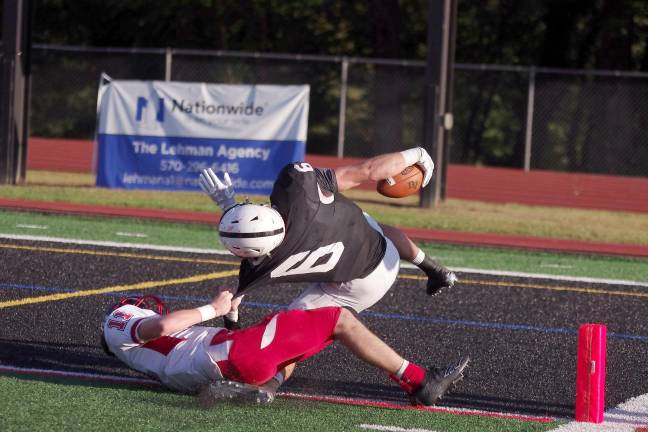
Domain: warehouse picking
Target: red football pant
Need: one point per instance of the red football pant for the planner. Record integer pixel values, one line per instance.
(259, 352)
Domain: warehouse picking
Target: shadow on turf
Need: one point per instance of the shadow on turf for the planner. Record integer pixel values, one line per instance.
(90, 359)
(61, 357)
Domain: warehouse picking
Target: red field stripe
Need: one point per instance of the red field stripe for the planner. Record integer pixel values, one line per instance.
(393, 405)
(454, 237)
(490, 184)
(100, 210)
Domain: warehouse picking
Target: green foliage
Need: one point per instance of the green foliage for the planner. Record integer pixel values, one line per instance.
(582, 127)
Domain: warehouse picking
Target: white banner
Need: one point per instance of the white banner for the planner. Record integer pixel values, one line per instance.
(160, 135)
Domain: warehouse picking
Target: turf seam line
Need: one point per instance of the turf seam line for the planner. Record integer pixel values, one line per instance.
(116, 288)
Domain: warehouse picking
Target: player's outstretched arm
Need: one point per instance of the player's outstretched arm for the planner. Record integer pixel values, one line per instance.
(384, 166)
(179, 320)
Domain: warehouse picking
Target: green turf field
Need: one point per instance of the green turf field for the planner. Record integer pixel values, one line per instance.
(206, 237)
(31, 403)
(34, 404)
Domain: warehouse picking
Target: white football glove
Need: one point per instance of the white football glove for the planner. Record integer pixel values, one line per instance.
(425, 162)
(420, 157)
(222, 192)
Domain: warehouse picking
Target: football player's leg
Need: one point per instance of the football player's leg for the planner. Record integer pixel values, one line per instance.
(272, 385)
(424, 386)
(258, 353)
(263, 356)
(365, 345)
(438, 276)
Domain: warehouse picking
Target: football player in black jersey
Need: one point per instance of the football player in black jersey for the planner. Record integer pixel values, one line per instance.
(313, 233)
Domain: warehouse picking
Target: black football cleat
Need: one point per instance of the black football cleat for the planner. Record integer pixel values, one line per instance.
(226, 390)
(438, 381)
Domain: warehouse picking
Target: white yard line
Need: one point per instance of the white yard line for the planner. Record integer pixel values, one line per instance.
(626, 417)
(32, 226)
(392, 428)
(406, 265)
(141, 246)
(129, 234)
(556, 266)
(539, 276)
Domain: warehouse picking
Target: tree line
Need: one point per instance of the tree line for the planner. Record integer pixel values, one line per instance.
(577, 121)
(600, 34)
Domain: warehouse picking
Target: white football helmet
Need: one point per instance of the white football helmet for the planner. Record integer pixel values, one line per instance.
(251, 230)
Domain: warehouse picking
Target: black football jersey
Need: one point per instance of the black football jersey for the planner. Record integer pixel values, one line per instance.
(327, 239)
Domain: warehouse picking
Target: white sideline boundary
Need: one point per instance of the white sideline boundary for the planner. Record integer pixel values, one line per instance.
(143, 246)
(625, 417)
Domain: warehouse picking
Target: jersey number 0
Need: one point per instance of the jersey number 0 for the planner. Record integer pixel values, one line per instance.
(310, 261)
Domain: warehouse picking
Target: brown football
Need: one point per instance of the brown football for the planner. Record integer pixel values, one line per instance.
(406, 183)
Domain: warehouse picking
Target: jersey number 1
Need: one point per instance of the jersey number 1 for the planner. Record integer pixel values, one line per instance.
(121, 322)
(308, 261)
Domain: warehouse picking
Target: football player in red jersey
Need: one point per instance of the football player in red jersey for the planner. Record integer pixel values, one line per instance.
(251, 363)
(313, 233)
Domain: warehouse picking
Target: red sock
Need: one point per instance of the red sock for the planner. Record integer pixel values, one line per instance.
(411, 378)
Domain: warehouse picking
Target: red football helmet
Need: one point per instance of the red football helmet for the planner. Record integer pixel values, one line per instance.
(147, 301)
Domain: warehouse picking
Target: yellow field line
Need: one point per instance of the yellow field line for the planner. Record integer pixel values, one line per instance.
(118, 254)
(117, 288)
(227, 262)
(538, 286)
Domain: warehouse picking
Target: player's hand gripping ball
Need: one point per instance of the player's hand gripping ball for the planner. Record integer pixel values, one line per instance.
(406, 183)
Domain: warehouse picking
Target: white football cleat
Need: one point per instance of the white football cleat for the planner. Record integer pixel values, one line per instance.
(226, 390)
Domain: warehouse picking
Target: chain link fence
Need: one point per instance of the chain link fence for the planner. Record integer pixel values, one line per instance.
(591, 123)
(528, 118)
(490, 113)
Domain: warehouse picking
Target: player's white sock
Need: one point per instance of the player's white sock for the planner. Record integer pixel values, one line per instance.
(399, 373)
(418, 259)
